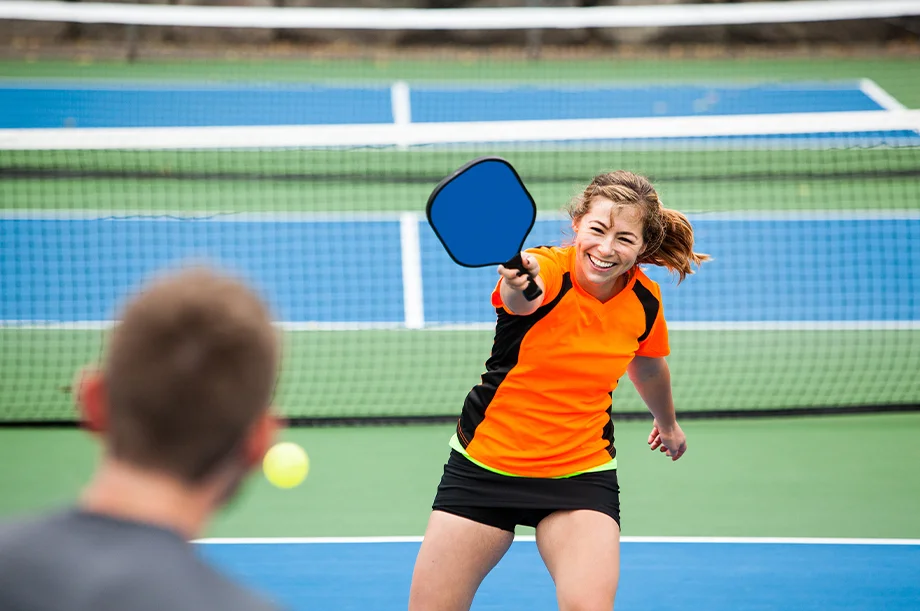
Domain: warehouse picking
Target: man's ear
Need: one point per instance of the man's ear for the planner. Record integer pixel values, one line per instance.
(261, 437)
(92, 400)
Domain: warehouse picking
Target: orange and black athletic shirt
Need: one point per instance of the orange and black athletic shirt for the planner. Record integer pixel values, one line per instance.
(543, 406)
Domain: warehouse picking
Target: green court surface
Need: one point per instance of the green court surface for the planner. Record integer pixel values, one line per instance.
(852, 476)
(363, 373)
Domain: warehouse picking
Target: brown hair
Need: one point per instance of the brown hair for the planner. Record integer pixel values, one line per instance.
(189, 369)
(667, 234)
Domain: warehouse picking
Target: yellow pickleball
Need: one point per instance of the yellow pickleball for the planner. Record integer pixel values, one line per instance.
(286, 464)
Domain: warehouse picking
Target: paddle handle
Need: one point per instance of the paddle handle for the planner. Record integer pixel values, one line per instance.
(532, 290)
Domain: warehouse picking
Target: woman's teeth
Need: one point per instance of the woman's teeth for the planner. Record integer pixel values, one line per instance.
(599, 263)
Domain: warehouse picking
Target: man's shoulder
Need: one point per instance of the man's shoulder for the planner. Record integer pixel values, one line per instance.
(199, 587)
(22, 530)
(212, 584)
(113, 564)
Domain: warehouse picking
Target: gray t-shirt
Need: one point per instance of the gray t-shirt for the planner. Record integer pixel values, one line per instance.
(82, 561)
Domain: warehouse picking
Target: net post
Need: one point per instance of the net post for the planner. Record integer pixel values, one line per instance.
(131, 40)
(534, 36)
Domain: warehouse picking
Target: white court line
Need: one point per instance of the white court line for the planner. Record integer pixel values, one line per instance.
(792, 325)
(879, 95)
(193, 85)
(626, 539)
(627, 85)
(256, 83)
(401, 103)
(102, 325)
(708, 326)
(458, 132)
(798, 325)
(399, 216)
(810, 216)
(411, 256)
(768, 216)
(201, 216)
(157, 84)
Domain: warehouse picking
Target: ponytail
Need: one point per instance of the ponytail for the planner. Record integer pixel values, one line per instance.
(674, 248)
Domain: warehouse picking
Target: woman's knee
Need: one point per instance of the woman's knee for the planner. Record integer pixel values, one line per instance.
(581, 598)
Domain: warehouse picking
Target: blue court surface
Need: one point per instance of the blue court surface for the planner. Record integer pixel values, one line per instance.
(55, 105)
(690, 575)
(764, 268)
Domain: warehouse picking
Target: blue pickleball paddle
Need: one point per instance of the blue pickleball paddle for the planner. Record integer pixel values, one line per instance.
(482, 213)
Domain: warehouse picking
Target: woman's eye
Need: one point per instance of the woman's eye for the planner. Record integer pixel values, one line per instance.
(597, 230)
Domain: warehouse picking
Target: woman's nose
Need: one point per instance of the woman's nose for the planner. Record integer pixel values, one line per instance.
(606, 246)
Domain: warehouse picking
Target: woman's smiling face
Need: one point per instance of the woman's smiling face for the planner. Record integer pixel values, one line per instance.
(608, 240)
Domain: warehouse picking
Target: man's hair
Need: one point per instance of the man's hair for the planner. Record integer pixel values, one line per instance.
(190, 368)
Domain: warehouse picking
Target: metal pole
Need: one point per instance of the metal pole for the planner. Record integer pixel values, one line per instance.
(131, 38)
(534, 37)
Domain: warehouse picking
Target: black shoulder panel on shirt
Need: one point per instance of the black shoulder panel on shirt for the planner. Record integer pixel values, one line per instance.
(650, 304)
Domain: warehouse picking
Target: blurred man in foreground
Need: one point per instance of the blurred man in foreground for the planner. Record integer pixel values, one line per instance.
(181, 405)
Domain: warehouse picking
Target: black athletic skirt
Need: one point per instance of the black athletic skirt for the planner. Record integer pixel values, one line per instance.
(505, 501)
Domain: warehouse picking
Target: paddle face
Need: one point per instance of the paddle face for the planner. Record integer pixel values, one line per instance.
(482, 214)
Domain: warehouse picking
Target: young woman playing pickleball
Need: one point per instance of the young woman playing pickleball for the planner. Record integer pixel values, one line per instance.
(534, 441)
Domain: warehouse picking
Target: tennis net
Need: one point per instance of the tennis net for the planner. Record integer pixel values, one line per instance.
(811, 301)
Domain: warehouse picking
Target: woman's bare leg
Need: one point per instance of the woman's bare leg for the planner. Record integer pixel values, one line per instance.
(456, 555)
(581, 549)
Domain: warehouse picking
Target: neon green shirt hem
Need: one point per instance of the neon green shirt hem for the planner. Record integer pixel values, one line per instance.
(455, 444)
